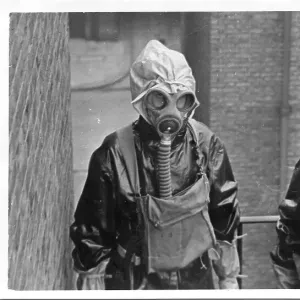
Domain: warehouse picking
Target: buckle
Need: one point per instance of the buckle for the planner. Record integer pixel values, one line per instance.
(136, 260)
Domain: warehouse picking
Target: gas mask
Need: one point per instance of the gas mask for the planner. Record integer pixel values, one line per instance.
(163, 92)
(168, 113)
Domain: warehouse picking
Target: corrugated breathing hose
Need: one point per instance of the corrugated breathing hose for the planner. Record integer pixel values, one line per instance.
(164, 169)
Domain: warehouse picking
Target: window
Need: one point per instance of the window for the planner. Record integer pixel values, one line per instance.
(95, 26)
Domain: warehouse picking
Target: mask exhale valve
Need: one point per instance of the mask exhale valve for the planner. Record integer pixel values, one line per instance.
(164, 167)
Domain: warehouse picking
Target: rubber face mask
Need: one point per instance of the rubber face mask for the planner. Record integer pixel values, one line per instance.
(168, 113)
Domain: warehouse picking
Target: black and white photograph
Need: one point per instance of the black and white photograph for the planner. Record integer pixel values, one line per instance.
(153, 150)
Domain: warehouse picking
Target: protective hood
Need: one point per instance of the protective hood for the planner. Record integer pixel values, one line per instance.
(159, 67)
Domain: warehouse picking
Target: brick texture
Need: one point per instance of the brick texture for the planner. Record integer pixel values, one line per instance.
(40, 152)
(246, 92)
(294, 96)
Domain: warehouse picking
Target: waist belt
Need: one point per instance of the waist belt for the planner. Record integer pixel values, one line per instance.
(136, 260)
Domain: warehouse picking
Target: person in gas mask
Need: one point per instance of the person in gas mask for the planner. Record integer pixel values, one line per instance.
(286, 254)
(159, 207)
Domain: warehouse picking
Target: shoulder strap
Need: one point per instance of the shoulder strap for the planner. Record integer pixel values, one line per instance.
(127, 147)
(126, 143)
(192, 124)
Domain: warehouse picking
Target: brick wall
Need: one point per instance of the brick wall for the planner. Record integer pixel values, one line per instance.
(294, 96)
(246, 92)
(40, 152)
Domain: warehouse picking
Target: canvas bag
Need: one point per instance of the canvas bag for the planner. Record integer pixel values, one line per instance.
(175, 231)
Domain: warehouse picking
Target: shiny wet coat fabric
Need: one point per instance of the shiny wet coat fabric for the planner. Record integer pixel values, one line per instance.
(106, 213)
(286, 255)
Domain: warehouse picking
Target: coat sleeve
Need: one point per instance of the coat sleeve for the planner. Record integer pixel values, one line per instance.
(224, 209)
(286, 254)
(224, 214)
(93, 231)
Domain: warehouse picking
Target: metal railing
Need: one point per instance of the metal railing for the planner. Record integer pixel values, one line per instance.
(250, 220)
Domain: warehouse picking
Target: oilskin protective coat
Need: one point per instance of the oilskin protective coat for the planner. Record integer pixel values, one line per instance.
(286, 255)
(109, 247)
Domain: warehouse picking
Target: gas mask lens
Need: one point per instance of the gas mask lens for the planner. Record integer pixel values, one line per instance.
(156, 100)
(185, 102)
